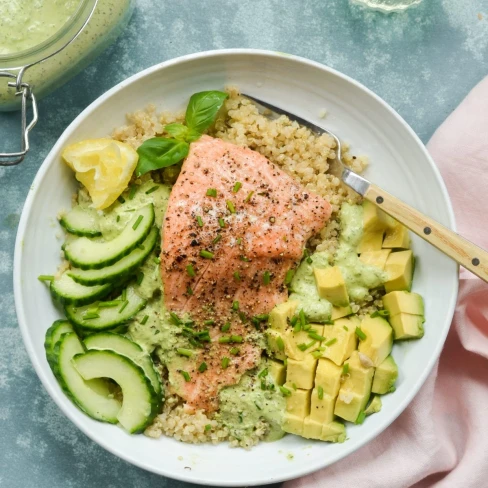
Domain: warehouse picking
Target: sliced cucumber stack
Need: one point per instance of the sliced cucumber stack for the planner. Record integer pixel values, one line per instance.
(87, 254)
(126, 347)
(81, 221)
(121, 269)
(102, 316)
(93, 397)
(66, 290)
(53, 334)
(140, 404)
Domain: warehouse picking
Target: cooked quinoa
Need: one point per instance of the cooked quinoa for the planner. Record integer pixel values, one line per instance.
(302, 154)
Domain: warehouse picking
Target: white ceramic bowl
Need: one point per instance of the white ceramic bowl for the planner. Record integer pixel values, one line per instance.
(399, 163)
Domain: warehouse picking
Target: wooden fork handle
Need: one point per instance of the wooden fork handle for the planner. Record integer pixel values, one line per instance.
(456, 247)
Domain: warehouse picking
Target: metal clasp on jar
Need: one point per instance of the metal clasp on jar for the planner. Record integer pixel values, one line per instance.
(22, 90)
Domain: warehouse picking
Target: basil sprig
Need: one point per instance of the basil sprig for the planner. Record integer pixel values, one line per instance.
(161, 152)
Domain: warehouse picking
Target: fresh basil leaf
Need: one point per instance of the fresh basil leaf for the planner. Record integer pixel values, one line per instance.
(178, 131)
(160, 152)
(202, 109)
(192, 135)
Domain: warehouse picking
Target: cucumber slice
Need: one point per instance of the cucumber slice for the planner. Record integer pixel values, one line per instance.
(88, 254)
(126, 347)
(92, 397)
(53, 334)
(81, 221)
(109, 317)
(66, 290)
(122, 268)
(140, 404)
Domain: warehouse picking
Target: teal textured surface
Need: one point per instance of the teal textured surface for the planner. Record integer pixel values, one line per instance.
(422, 62)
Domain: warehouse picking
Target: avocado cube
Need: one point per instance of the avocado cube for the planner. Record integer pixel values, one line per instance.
(298, 403)
(277, 371)
(331, 285)
(276, 344)
(328, 376)
(312, 429)
(374, 406)
(375, 220)
(407, 326)
(322, 407)
(370, 241)
(333, 432)
(397, 238)
(399, 267)
(385, 376)
(397, 302)
(292, 424)
(281, 314)
(293, 340)
(355, 391)
(302, 373)
(339, 312)
(379, 339)
(375, 258)
(343, 332)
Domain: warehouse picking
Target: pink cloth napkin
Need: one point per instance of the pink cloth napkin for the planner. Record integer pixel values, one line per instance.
(441, 440)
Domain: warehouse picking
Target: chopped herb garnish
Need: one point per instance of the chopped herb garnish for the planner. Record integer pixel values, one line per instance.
(239, 241)
(121, 309)
(209, 322)
(237, 275)
(206, 254)
(266, 278)
(175, 319)
(118, 218)
(243, 258)
(123, 296)
(360, 334)
(285, 391)
(309, 260)
(91, 315)
(225, 327)
(236, 338)
(221, 222)
(211, 192)
(157, 260)
(224, 339)
(230, 206)
(191, 271)
(225, 362)
(289, 276)
(202, 367)
(184, 352)
(320, 393)
(111, 303)
(294, 386)
(303, 318)
(235, 305)
(361, 417)
(140, 277)
(121, 199)
(234, 351)
(257, 406)
(285, 362)
(202, 336)
(217, 239)
(345, 368)
(316, 354)
(332, 341)
(249, 196)
(346, 328)
(380, 313)
(137, 222)
(152, 189)
(237, 187)
(208, 427)
(185, 375)
(240, 417)
(199, 221)
(263, 385)
(313, 335)
(132, 191)
(145, 319)
(280, 344)
(45, 278)
(263, 373)
(297, 327)
(262, 317)
(243, 317)
(293, 320)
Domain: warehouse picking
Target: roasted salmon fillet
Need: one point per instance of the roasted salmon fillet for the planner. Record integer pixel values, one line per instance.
(235, 225)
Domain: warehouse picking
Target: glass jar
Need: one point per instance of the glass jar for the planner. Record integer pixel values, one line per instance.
(43, 43)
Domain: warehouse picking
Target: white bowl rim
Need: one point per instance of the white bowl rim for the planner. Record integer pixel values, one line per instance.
(19, 299)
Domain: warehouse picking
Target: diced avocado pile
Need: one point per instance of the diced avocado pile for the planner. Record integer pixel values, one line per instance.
(335, 372)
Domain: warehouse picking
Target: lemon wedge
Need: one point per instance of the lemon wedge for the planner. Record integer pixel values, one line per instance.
(103, 166)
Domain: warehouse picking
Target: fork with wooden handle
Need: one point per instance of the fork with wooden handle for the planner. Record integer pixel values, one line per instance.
(464, 252)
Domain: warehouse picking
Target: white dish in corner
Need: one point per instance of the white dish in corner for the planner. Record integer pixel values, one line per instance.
(399, 163)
